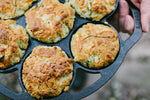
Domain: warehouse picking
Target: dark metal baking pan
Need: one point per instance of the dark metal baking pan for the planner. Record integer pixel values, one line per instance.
(106, 73)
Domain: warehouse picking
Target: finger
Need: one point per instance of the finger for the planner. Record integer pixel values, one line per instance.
(136, 3)
(124, 8)
(145, 22)
(123, 11)
(129, 24)
(145, 15)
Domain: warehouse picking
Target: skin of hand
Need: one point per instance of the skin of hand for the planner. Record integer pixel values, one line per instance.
(124, 21)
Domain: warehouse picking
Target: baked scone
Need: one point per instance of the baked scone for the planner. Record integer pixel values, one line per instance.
(14, 8)
(50, 21)
(95, 45)
(13, 43)
(47, 72)
(93, 9)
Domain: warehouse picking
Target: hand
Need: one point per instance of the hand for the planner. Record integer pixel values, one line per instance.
(124, 21)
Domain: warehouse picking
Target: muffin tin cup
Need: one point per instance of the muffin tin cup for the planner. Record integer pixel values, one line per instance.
(106, 73)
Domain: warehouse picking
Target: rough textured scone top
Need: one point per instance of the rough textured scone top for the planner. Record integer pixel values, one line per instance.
(50, 21)
(13, 43)
(95, 9)
(95, 46)
(47, 72)
(14, 8)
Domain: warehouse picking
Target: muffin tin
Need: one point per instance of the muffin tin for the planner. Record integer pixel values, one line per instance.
(106, 73)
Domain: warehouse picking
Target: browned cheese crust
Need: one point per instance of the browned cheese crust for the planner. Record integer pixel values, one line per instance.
(13, 43)
(14, 8)
(47, 72)
(95, 46)
(95, 9)
(50, 21)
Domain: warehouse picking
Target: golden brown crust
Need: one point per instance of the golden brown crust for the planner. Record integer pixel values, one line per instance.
(50, 21)
(47, 72)
(95, 9)
(95, 46)
(13, 42)
(13, 8)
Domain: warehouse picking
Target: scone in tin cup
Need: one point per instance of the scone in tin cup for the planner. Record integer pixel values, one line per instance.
(50, 21)
(106, 73)
(95, 46)
(47, 72)
(14, 8)
(14, 42)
